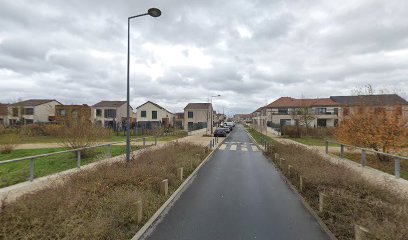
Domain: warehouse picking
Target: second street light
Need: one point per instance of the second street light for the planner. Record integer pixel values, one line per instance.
(154, 12)
(212, 112)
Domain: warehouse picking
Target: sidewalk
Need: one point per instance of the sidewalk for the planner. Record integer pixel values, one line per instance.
(373, 175)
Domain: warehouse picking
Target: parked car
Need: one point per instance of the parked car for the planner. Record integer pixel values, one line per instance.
(232, 124)
(220, 132)
(226, 125)
(227, 129)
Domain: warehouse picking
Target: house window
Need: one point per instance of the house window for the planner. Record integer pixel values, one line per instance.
(336, 122)
(28, 111)
(283, 111)
(62, 112)
(143, 114)
(15, 112)
(99, 112)
(321, 122)
(321, 111)
(29, 121)
(110, 113)
(336, 111)
(190, 114)
(74, 113)
(154, 114)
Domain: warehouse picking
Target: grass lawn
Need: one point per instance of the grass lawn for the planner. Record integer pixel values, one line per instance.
(259, 136)
(313, 141)
(17, 172)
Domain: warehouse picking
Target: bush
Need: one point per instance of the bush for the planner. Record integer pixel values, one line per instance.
(299, 131)
(351, 199)
(52, 130)
(12, 141)
(31, 130)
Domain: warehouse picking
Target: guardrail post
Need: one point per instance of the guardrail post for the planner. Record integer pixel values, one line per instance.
(155, 140)
(397, 167)
(109, 151)
(360, 233)
(144, 141)
(31, 169)
(327, 147)
(79, 159)
(341, 150)
(363, 157)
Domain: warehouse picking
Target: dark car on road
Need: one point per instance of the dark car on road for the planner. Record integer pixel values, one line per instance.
(219, 132)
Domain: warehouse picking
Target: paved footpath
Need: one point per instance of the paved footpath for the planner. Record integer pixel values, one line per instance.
(237, 195)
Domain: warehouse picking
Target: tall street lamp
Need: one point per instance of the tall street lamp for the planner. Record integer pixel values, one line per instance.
(212, 112)
(154, 12)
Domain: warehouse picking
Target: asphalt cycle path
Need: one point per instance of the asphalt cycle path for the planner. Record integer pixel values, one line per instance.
(237, 194)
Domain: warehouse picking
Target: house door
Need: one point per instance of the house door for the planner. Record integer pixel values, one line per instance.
(321, 122)
(165, 122)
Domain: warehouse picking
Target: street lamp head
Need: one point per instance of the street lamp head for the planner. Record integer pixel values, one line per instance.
(154, 12)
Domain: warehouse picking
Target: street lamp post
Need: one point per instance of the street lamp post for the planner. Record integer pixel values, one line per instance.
(154, 12)
(212, 112)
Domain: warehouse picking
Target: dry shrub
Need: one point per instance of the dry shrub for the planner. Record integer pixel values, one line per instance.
(2, 129)
(12, 141)
(52, 130)
(351, 198)
(299, 131)
(31, 130)
(100, 203)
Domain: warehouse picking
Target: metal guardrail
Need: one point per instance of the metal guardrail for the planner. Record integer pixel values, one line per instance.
(397, 158)
(78, 153)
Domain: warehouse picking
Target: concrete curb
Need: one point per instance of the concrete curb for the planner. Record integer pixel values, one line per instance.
(173, 196)
(304, 202)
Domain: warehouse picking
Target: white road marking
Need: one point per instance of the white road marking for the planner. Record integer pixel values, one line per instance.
(244, 149)
(233, 147)
(254, 148)
(223, 146)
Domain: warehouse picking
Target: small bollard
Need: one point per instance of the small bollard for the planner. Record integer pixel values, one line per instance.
(300, 183)
(191, 164)
(322, 197)
(363, 157)
(327, 147)
(144, 142)
(32, 169)
(282, 161)
(289, 168)
(155, 140)
(78, 159)
(360, 233)
(109, 151)
(180, 173)
(139, 211)
(397, 167)
(341, 150)
(164, 187)
(276, 156)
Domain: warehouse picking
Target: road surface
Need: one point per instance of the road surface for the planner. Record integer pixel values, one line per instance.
(237, 195)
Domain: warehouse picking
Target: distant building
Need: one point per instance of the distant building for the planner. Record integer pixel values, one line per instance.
(31, 111)
(72, 113)
(179, 120)
(3, 114)
(197, 116)
(150, 115)
(110, 114)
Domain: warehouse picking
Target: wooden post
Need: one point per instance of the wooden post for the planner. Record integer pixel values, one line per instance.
(164, 187)
(360, 233)
(180, 173)
(139, 211)
(322, 197)
(289, 167)
(300, 183)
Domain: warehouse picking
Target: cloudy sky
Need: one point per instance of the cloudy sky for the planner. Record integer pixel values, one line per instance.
(249, 51)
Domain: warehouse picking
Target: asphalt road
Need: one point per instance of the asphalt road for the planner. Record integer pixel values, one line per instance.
(237, 195)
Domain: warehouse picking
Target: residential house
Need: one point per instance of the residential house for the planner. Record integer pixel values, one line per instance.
(110, 114)
(197, 116)
(391, 103)
(150, 115)
(32, 111)
(69, 113)
(243, 118)
(179, 120)
(3, 114)
(317, 112)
